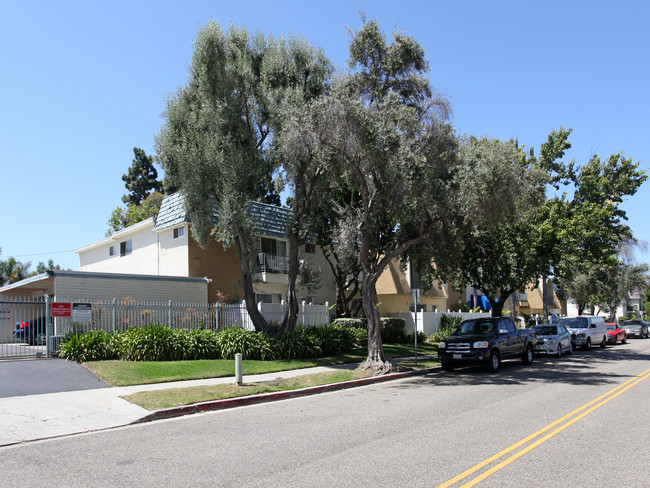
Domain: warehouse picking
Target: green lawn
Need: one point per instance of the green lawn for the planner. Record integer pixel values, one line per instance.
(126, 373)
(157, 399)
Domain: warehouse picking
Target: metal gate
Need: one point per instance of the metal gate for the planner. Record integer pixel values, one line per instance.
(25, 327)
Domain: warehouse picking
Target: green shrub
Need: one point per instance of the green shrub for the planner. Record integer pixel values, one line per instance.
(148, 343)
(393, 330)
(359, 337)
(422, 337)
(448, 324)
(351, 323)
(89, 346)
(251, 345)
(623, 319)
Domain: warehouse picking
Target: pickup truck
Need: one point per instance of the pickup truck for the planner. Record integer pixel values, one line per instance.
(486, 341)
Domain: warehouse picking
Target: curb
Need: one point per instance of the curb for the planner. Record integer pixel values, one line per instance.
(172, 412)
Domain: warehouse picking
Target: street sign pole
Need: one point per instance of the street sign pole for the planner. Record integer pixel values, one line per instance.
(416, 297)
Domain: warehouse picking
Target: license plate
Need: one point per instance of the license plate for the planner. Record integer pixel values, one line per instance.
(458, 356)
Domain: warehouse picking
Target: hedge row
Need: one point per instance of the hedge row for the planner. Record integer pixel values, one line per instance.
(160, 343)
(393, 329)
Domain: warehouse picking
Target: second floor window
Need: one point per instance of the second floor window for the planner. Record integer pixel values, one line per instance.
(273, 246)
(125, 248)
(179, 232)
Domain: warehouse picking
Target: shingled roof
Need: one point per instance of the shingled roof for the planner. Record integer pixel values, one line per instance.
(268, 220)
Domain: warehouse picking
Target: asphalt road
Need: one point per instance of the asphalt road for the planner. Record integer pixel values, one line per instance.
(19, 377)
(417, 432)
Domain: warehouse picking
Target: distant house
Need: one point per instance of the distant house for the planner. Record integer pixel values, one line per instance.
(165, 246)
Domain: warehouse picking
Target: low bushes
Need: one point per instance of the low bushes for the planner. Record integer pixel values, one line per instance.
(160, 343)
(448, 323)
(393, 329)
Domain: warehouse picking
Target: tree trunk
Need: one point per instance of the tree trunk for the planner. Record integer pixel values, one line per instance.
(259, 322)
(497, 307)
(291, 313)
(513, 308)
(376, 361)
(612, 305)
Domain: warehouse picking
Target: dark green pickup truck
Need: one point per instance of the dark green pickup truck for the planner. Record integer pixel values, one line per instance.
(486, 341)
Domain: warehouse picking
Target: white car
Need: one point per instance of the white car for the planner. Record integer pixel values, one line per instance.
(586, 330)
(553, 339)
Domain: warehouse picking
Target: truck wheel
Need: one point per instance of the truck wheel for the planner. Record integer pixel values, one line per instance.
(527, 356)
(587, 346)
(494, 362)
(603, 344)
(447, 366)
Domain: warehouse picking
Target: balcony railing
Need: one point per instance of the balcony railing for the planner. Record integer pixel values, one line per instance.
(272, 263)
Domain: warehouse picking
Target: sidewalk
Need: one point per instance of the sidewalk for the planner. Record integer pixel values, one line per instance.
(34, 417)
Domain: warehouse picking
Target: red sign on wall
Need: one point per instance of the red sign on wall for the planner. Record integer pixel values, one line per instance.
(61, 309)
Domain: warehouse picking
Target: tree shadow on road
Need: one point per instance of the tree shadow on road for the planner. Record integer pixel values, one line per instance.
(574, 369)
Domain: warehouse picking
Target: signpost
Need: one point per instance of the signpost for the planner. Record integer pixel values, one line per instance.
(416, 297)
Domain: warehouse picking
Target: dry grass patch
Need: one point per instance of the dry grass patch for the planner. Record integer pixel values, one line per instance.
(174, 397)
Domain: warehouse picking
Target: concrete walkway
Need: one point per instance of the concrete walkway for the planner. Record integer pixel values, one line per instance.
(41, 416)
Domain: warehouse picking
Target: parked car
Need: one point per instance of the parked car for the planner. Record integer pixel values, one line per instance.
(553, 339)
(586, 330)
(636, 328)
(486, 342)
(615, 334)
(32, 332)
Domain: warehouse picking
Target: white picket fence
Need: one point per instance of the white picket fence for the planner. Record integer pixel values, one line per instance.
(308, 314)
(429, 322)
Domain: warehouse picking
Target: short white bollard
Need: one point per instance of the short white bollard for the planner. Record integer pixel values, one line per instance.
(238, 372)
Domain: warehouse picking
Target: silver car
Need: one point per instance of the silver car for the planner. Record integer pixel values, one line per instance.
(636, 328)
(553, 339)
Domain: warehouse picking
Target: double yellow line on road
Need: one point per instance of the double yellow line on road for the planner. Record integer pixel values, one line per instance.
(577, 414)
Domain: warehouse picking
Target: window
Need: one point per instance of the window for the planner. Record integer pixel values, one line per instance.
(179, 232)
(111, 251)
(267, 297)
(310, 248)
(273, 246)
(125, 248)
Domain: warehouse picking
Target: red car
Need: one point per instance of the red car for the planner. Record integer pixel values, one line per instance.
(615, 334)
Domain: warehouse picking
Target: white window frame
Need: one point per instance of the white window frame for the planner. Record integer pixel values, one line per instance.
(178, 233)
(126, 248)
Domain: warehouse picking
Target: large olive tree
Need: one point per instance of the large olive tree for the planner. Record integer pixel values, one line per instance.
(218, 129)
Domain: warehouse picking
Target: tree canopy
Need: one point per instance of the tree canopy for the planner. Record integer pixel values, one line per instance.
(141, 178)
(219, 127)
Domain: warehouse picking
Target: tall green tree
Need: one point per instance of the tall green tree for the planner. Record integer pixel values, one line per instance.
(496, 250)
(12, 270)
(218, 130)
(384, 131)
(141, 179)
(298, 74)
(508, 240)
(124, 217)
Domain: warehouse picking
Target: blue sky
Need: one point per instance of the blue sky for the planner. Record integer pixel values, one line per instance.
(84, 82)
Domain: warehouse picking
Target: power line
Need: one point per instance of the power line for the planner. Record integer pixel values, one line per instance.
(38, 254)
